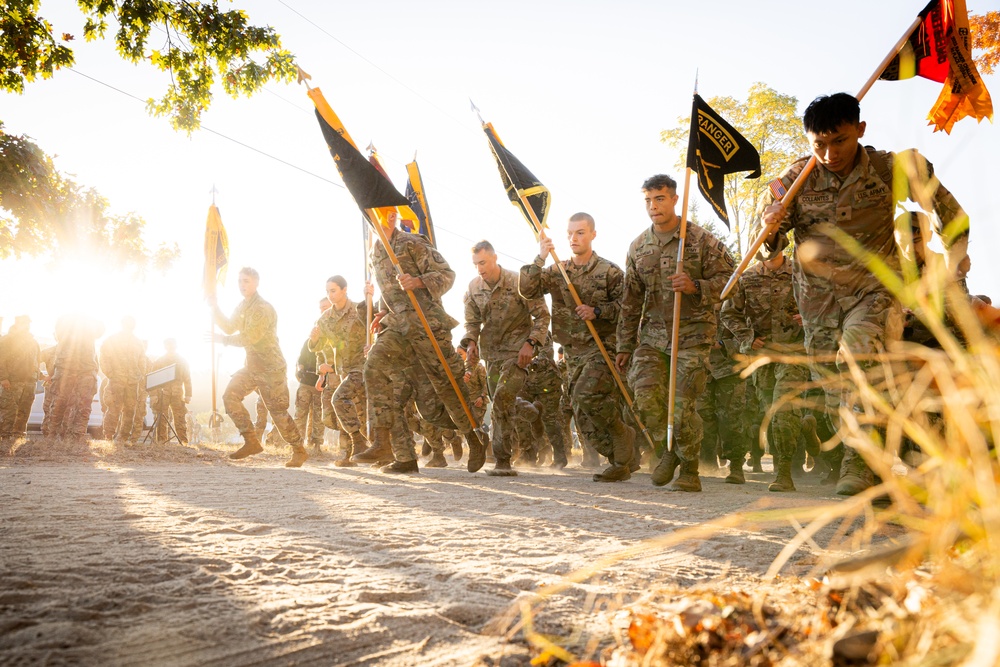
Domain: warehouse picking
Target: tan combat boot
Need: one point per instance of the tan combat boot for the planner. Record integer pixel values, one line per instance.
(251, 446)
(736, 475)
(437, 460)
(380, 449)
(401, 467)
(299, 456)
(664, 471)
(783, 482)
(356, 444)
(622, 455)
(688, 480)
(477, 449)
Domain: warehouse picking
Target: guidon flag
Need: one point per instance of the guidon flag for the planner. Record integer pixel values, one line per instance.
(938, 49)
(520, 184)
(216, 252)
(715, 149)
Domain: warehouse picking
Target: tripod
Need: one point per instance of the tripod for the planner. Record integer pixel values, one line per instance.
(161, 418)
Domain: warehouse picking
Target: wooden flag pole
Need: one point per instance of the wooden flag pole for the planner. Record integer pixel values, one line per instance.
(675, 332)
(366, 241)
(215, 411)
(811, 164)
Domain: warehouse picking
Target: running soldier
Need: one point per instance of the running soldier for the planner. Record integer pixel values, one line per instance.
(254, 326)
(123, 362)
(171, 400)
(845, 308)
(644, 330)
(593, 393)
(507, 329)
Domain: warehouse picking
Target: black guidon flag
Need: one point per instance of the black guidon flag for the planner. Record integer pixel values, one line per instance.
(715, 149)
(518, 181)
(364, 181)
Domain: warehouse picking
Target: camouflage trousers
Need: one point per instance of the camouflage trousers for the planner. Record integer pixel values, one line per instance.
(169, 402)
(544, 387)
(120, 401)
(139, 422)
(649, 379)
(272, 387)
(725, 417)
(504, 381)
(15, 407)
(74, 397)
(866, 329)
(432, 435)
(776, 384)
(395, 376)
(596, 400)
(309, 413)
(348, 402)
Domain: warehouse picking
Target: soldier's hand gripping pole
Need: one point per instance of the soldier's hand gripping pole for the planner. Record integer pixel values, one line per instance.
(427, 327)
(800, 179)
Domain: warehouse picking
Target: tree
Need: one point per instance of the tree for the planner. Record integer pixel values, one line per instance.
(43, 212)
(197, 41)
(770, 122)
(985, 31)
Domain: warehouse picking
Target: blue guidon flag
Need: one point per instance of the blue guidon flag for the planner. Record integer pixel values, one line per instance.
(715, 149)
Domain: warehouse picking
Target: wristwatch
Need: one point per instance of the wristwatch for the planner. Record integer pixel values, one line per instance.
(697, 289)
(597, 311)
(532, 342)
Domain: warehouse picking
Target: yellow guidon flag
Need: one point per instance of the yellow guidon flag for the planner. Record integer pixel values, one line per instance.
(418, 203)
(216, 252)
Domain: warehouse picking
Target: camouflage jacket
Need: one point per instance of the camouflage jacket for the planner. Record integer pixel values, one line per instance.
(647, 310)
(257, 324)
(828, 279)
(77, 348)
(500, 320)
(182, 375)
(599, 283)
(123, 357)
(420, 259)
(341, 339)
(18, 356)
(476, 382)
(763, 306)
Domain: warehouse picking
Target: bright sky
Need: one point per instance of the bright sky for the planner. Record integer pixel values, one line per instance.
(578, 90)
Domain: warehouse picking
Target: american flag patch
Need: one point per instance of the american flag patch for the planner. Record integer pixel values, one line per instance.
(777, 188)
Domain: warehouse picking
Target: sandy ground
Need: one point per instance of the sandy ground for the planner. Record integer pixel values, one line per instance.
(181, 557)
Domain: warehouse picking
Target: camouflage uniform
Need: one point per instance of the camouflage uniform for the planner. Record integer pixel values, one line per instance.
(308, 400)
(139, 422)
(722, 406)
(644, 330)
(593, 394)
(475, 380)
(19, 368)
(264, 372)
(169, 398)
(341, 344)
(403, 346)
(845, 308)
(123, 362)
(763, 306)
(74, 377)
(500, 321)
(47, 358)
(543, 388)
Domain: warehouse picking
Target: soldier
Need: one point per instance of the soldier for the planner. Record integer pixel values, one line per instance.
(18, 373)
(506, 328)
(254, 326)
(644, 330)
(543, 388)
(403, 346)
(139, 422)
(338, 339)
(309, 395)
(593, 393)
(475, 380)
(764, 319)
(123, 362)
(845, 308)
(74, 377)
(172, 399)
(723, 408)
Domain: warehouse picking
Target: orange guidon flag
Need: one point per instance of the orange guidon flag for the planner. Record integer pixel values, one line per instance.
(938, 49)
